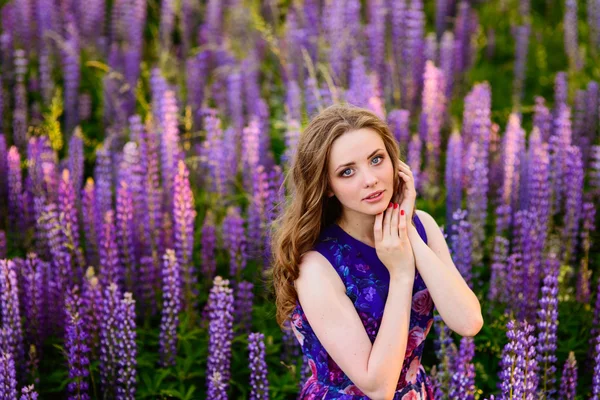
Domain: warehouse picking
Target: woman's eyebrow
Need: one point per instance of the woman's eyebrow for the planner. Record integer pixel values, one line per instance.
(352, 162)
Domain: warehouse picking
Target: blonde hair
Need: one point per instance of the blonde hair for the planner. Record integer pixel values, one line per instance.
(308, 209)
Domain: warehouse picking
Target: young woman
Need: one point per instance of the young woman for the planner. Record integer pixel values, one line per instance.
(357, 270)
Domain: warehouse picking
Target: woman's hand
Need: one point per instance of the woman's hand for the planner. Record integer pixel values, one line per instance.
(408, 193)
(392, 244)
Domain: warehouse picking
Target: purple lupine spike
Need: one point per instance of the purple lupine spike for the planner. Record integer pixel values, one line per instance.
(462, 382)
(208, 245)
(447, 57)
(221, 334)
(92, 309)
(587, 226)
(28, 393)
(446, 353)
(512, 147)
(184, 216)
(127, 349)
(197, 69)
(574, 197)
(33, 299)
(214, 21)
(125, 233)
(88, 207)
(547, 327)
(250, 76)
(293, 101)
(110, 264)
(251, 143)
(336, 24)
(69, 219)
(135, 20)
(542, 118)
(257, 218)
(413, 159)
(442, 14)
(434, 107)
(76, 160)
(152, 187)
(590, 131)
(172, 306)
(412, 53)
(453, 178)
(568, 382)
(148, 284)
(561, 92)
(579, 118)
(511, 373)
(109, 339)
(234, 240)
(358, 89)
(12, 339)
(234, 99)
(291, 137)
(170, 151)
(593, 16)
(76, 346)
(571, 37)
(596, 375)
(71, 68)
(539, 190)
(294, 38)
(167, 23)
(258, 367)
(166, 232)
(20, 105)
(375, 32)
(399, 121)
(477, 196)
(430, 50)
(45, 71)
(521, 34)
(15, 187)
(594, 171)
(103, 184)
(461, 243)
(243, 304)
(312, 96)
(8, 374)
(499, 271)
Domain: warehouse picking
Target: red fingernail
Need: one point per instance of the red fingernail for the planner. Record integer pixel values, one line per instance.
(389, 205)
(401, 212)
(395, 205)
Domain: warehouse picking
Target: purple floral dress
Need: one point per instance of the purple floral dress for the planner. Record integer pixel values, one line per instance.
(367, 282)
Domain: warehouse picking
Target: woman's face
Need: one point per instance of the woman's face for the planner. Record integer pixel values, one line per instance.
(370, 170)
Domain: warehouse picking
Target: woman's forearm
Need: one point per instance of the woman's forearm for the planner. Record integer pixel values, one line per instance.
(387, 355)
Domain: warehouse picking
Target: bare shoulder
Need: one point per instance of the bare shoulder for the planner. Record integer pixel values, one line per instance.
(428, 221)
(317, 272)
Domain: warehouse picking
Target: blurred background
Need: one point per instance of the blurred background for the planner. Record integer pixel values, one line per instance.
(143, 147)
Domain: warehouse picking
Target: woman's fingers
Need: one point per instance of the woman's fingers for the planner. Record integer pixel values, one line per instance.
(377, 228)
(394, 222)
(387, 222)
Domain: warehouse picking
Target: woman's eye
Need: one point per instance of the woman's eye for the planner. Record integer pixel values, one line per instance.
(343, 173)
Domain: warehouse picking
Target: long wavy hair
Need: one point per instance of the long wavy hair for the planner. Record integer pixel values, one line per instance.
(308, 209)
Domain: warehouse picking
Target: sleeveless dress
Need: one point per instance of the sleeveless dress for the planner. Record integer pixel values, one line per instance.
(367, 282)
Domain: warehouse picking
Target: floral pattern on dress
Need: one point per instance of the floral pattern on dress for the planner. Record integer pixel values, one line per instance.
(367, 281)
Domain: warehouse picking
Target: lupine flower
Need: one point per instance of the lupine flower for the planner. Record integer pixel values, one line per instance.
(15, 187)
(573, 204)
(243, 304)
(596, 376)
(234, 240)
(312, 97)
(513, 146)
(434, 107)
(88, 207)
(71, 68)
(568, 381)
(461, 244)
(3, 171)
(538, 187)
(234, 99)
(518, 365)
(293, 101)
(76, 346)
(542, 118)
(167, 23)
(571, 39)
(588, 225)
(462, 382)
(109, 338)
(375, 32)
(91, 296)
(171, 307)
(12, 338)
(33, 296)
(257, 218)
(412, 54)
(521, 34)
(20, 104)
(103, 184)
(8, 375)
(110, 264)
(184, 215)
(399, 121)
(414, 159)
(208, 244)
(547, 325)
(446, 353)
(170, 151)
(258, 367)
(453, 179)
(220, 335)
(127, 349)
(28, 393)
(125, 230)
(292, 135)
(69, 218)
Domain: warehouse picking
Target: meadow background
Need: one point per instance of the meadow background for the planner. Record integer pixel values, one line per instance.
(143, 147)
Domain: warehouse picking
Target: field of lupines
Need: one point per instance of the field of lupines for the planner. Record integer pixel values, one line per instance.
(143, 148)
